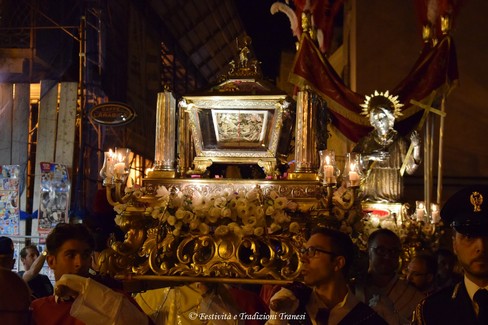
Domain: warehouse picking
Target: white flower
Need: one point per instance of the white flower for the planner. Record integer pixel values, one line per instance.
(200, 214)
(241, 203)
(220, 202)
(273, 195)
(171, 220)
(242, 212)
(270, 211)
(375, 221)
(252, 195)
(162, 191)
(294, 227)
(252, 208)
(180, 214)
(260, 212)
(177, 200)
(194, 224)
(292, 205)
(249, 220)
(248, 230)
(189, 217)
(118, 220)
(221, 230)
(232, 203)
(281, 217)
(226, 213)
(259, 231)
(119, 208)
(204, 228)
(280, 203)
(274, 228)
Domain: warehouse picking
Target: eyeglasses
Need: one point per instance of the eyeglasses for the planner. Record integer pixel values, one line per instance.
(312, 251)
(407, 272)
(383, 251)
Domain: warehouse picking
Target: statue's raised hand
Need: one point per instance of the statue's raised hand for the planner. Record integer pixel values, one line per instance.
(415, 138)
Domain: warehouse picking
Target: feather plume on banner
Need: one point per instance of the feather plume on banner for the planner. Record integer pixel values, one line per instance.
(322, 12)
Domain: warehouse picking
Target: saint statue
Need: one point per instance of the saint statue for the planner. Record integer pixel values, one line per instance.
(383, 150)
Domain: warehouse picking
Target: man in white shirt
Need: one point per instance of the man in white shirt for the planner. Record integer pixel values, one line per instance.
(467, 301)
(325, 298)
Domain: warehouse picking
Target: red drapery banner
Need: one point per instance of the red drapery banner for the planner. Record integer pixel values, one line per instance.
(434, 70)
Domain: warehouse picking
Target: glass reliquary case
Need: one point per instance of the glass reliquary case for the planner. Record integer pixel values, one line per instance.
(238, 121)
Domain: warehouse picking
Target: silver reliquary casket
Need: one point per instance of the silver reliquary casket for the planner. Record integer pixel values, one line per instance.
(238, 121)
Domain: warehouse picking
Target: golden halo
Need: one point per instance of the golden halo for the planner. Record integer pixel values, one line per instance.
(384, 100)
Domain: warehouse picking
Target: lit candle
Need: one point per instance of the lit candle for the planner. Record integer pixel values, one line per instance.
(436, 216)
(420, 211)
(109, 156)
(353, 175)
(328, 168)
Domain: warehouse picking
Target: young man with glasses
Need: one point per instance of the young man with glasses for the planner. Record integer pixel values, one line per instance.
(381, 288)
(465, 302)
(325, 298)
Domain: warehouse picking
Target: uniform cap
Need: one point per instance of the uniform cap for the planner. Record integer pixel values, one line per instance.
(467, 211)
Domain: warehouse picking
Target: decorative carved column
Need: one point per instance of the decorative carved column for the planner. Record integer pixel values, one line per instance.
(185, 142)
(164, 156)
(306, 155)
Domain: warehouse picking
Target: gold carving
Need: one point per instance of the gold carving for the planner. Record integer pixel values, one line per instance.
(476, 200)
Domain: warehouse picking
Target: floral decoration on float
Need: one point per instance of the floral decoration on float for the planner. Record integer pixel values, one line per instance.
(243, 234)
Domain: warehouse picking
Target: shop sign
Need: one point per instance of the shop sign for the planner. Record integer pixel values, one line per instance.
(112, 113)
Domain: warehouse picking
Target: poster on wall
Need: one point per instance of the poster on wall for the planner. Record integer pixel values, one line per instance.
(55, 196)
(9, 199)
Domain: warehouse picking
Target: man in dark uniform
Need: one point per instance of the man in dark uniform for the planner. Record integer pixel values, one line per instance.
(467, 301)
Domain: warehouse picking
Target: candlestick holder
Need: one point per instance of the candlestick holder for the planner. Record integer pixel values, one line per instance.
(107, 171)
(114, 172)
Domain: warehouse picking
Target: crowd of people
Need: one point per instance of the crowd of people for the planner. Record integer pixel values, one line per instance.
(427, 290)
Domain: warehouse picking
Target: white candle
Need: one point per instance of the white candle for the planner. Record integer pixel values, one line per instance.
(353, 175)
(420, 211)
(436, 216)
(109, 163)
(329, 171)
(328, 168)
